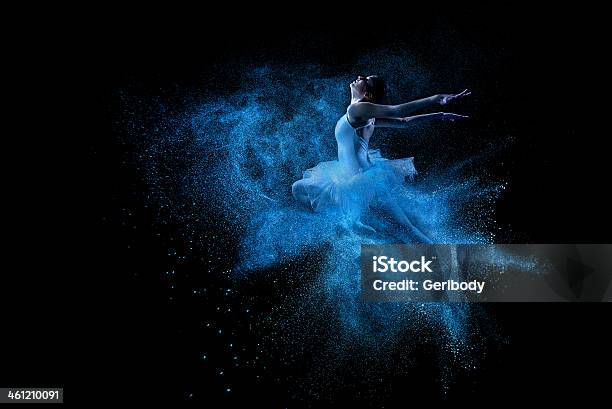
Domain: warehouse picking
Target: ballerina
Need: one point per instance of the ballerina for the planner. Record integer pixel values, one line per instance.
(361, 179)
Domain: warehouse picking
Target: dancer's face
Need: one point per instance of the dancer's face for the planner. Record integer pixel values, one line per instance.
(359, 87)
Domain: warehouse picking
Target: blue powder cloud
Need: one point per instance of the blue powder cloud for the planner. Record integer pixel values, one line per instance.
(231, 159)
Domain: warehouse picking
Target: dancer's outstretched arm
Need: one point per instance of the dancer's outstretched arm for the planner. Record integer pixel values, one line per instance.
(411, 120)
(363, 111)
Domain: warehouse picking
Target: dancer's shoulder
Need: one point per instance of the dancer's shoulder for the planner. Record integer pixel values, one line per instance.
(357, 116)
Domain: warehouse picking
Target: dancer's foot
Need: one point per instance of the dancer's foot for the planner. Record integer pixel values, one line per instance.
(363, 228)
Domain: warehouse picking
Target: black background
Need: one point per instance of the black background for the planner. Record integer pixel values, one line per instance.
(547, 88)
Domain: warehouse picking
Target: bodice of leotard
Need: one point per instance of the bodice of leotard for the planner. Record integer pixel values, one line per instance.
(352, 148)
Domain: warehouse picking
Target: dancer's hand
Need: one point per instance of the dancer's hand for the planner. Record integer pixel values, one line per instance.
(449, 117)
(444, 99)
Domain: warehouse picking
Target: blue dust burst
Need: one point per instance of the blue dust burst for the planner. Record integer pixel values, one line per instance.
(230, 160)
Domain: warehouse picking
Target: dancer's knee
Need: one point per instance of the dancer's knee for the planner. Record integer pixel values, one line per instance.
(297, 189)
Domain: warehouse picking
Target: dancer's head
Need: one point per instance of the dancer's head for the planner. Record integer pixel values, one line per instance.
(370, 88)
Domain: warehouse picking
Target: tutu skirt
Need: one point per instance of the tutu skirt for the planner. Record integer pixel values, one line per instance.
(330, 185)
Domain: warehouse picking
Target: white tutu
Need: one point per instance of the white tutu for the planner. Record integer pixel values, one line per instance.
(329, 185)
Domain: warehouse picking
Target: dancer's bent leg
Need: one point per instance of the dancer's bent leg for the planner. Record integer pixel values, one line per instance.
(400, 217)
